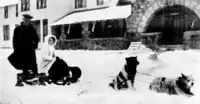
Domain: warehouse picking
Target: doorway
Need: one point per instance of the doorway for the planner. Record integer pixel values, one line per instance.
(172, 22)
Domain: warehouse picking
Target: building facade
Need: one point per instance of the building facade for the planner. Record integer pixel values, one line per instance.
(168, 19)
(92, 24)
(44, 12)
(171, 18)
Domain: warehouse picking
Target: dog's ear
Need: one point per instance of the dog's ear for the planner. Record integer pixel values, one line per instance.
(184, 76)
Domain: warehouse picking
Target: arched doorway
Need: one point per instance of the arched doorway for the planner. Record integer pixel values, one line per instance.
(171, 21)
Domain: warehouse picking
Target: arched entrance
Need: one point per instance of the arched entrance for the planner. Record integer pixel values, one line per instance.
(171, 21)
(158, 5)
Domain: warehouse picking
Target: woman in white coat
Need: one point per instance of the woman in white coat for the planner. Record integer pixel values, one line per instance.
(47, 54)
(54, 69)
(51, 67)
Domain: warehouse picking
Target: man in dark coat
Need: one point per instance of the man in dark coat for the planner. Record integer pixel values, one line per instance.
(25, 42)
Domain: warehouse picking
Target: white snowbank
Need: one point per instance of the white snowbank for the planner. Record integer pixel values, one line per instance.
(98, 67)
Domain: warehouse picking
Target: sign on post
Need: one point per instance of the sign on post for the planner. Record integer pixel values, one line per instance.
(134, 45)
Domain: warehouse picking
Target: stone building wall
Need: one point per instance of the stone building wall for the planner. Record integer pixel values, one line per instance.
(144, 10)
(142, 13)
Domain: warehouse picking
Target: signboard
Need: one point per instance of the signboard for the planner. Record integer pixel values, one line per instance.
(134, 45)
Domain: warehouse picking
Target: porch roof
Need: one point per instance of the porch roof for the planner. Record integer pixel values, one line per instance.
(113, 12)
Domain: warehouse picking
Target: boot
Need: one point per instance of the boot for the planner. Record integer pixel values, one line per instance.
(42, 79)
(19, 81)
(31, 78)
(32, 75)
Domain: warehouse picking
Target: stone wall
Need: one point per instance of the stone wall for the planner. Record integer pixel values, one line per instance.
(144, 10)
(192, 39)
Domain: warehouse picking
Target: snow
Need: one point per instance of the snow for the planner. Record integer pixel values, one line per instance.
(8, 2)
(98, 69)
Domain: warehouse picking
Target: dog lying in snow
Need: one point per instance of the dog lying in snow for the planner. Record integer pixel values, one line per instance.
(177, 86)
(125, 78)
(70, 75)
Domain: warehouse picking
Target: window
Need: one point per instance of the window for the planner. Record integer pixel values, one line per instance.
(6, 12)
(80, 3)
(17, 13)
(25, 5)
(6, 33)
(99, 2)
(41, 4)
(109, 28)
(45, 28)
(36, 25)
(75, 31)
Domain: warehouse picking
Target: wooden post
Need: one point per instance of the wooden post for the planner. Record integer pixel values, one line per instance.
(68, 31)
(41, 31)
(94, 24)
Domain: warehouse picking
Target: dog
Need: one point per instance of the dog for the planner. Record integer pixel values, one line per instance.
(60, 74)
(177, 86)
(72, 76)
(75, 74)
(125, 78)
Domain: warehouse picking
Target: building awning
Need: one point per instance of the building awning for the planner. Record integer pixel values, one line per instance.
(114, 12)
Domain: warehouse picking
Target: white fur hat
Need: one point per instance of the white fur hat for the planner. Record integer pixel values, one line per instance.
(50, 36)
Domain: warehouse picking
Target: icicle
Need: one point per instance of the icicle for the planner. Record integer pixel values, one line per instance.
(93, 26)
(69, 29)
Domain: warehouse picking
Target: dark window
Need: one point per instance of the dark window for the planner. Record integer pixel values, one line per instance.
(6, 12)
(75, 32)
(36, 25)
(17, 13)
(56, 30)
(100, 2)
(25, 5)
(45, 28)
(80, 3)
(41, 4)
(6, 33)
(109, 28)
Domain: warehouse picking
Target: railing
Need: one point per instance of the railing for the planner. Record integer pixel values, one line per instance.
(94, 44)
(151, 39)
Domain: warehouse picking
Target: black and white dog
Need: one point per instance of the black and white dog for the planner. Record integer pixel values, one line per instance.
(125, 78)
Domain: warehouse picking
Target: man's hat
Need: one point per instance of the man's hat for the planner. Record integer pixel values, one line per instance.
(27, 16)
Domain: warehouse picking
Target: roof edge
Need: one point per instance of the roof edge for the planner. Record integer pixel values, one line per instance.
(90, 9)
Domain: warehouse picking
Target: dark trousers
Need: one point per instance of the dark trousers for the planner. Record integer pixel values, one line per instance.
(28, 62)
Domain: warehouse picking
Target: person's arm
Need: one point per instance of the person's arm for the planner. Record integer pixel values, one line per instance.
(16, 38)
(45, 53)
(35, 38)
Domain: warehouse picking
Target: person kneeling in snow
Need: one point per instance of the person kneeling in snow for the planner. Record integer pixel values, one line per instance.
(52, 68)
(47, 58)
(47, 54)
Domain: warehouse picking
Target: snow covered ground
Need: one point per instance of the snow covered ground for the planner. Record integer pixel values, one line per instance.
(98, 67)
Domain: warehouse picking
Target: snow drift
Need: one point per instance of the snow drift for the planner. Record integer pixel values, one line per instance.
(98, 67)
